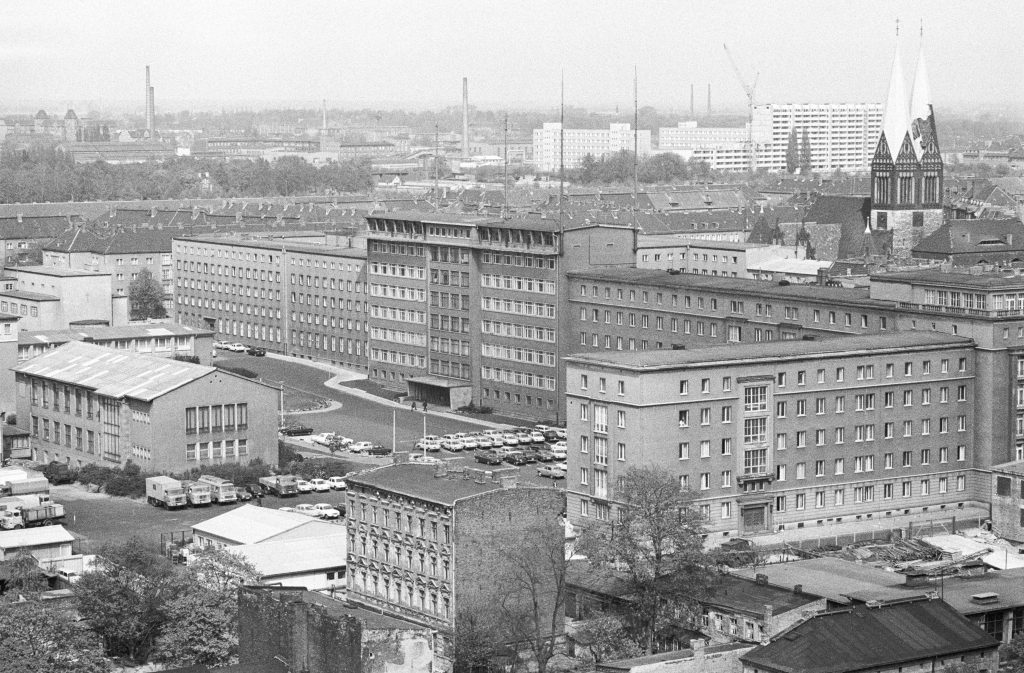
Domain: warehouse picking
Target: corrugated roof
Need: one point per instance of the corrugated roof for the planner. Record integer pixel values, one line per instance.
(291, 557)
(249, 524)
(34, 537)
(113, 373)
(866, 638)
(769, 350)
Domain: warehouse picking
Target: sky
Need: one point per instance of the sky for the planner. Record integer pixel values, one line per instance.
(234, 54)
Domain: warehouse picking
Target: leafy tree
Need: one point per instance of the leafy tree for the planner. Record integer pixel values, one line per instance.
(474, 642)
(659, 543)
(792, 152)
(37, 638)
(533, 591)
(1013, 657)
(805, 154)
(202, 621)
(24, 576)
(606, 639)
(124, 598)
(146, 297)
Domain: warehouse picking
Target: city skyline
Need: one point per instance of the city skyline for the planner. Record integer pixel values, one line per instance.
(235, 55)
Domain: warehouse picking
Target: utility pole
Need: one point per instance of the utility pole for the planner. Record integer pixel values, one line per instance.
(437, 194)
(636, 155)
(504, 209)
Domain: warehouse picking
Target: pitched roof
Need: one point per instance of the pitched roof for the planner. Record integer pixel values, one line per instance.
(113, 373)
(896, 120)
(839, 209)
(768, 350)
(249, 524)
(956, 237)
(292, 557)
(104, 332)
(863, 637)
(34, 537)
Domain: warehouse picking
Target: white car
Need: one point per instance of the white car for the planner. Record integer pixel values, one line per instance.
(221, 344)
(326, 511)
(494, 434)
(429, 443)
(541, 427)
(451, 443)
(320, 485)
(553, 471)
(537, 437)
(337, 483)
(359, 447)
(510, 439)
(235, 347)
(307, 509)
(483, 441)
(323, 439)
(286, 509)
(304, 486)
(427, 460)
(469, 442)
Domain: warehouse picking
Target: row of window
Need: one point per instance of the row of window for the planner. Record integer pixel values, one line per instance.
(518, 331)
(518, 354)
(527, 379)
(398, 292)
(517, 283)
(528, 261)
(216, 418)
(517, 307)
(71, 437)
(398, 358)
(227, 449)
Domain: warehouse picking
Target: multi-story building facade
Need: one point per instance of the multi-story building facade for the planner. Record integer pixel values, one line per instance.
(722, 148)
(89, 404)
(842, 135)
(770, 436)
(425, 543)
(549, 141)
(300, 300)
(710, 258)
(466, 308)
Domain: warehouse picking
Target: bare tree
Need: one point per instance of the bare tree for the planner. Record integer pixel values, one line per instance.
(658, 544)
(606, 638)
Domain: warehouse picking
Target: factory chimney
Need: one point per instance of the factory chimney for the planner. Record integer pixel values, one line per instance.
(150, 115)
(465, 118)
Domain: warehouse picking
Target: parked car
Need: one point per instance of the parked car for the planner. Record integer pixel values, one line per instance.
(242, 495)
(536, 436)
(545, 455)
(340, 506)
(515, 458)
(541, 427)
(327, 511)
(359, 447)
(524, 436)
(451, 443)
(551, 436)
(487, 458)
(304, 486)
(560, 446)
(323, 439)
(320, 485)
(255, 489)
(430, 443)
(235, 347)
(510, 439)
(379, 450)
(221, 344)
(307, 509)
(286, 509)
(494, 434)
(337, 483)
(560, 433)
(529, 455)
(483, 441)
(296, 430)
(469, 442)
(551, 471)
(427, 460)
(258, 351)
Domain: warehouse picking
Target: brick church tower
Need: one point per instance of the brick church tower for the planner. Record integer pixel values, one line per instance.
(906, 170)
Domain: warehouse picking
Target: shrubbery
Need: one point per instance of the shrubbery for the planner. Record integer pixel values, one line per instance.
(130, 482)
(471, 408)
(235, 369)
(320, 468)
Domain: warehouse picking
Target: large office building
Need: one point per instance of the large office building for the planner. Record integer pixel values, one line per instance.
(88, 404)
(549, 141)
(469, 308)
(300, 300)
(782, 434)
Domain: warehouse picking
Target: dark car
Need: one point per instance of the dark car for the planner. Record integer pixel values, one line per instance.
(340, 506)
(488, 458)
(378, 450)
(550, 436)
(256, 350)
(296, 430)
(530, 455)
(545, 455)
(255, 489)
(516, 458)
(243, 494)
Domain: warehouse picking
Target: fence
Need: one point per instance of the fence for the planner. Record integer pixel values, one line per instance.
(911, 529)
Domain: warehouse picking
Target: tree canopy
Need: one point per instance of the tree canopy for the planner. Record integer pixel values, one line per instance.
(146, 297)
(659, 541)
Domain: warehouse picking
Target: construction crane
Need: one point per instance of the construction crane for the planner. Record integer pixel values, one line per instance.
(749, 90)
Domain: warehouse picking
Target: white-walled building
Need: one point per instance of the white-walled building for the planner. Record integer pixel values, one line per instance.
(547, 144)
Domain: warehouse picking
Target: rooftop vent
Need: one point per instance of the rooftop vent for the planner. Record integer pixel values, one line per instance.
(985, 598)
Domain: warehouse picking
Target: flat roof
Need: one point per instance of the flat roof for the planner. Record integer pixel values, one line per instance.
(958, 277)
(100, 332)
(57, 271)
(706, 283)
(28, 296)
(34, 537)
(290, 557)
(770, 350)
(681, 241)
(280, 246)
(113, 373)
(739, 593)
(250, 524)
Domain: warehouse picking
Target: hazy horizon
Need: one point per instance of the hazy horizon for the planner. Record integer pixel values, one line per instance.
(234, 55)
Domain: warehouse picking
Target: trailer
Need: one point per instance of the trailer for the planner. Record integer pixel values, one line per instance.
(281, 485)
(198, 494)
(165, 492)
(222, 491)
(26, 517)
(21, 501)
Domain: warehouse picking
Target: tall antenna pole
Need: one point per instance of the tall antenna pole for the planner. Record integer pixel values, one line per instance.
(437, 194)
(636, 154)
(561, 160)
(504, 209)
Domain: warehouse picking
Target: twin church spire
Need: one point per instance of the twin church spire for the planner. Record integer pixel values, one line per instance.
(909, 118)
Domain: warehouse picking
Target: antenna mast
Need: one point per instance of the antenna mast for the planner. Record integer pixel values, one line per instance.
(636, 154)
(561, 160)
(505, 213)
(437, 194)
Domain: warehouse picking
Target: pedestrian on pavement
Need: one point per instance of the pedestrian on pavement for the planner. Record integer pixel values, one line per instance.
(414, 405)
(424, 407)
(259, 499)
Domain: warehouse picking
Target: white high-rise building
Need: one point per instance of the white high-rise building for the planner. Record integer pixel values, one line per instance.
(841, 135)
(581, 142)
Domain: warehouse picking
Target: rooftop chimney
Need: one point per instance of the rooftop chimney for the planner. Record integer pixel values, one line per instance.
(465, 117)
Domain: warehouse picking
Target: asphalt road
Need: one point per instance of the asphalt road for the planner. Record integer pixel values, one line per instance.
(358, 418)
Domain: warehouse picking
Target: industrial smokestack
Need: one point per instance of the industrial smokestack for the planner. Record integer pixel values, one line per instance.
(691, 101)
(709, 99)
(150, 114)
(465, 117)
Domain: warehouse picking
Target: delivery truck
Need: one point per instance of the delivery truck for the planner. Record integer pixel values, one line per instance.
(222, 491)
(165, 492)
(281, 485)
(198, 494)
(25, 517)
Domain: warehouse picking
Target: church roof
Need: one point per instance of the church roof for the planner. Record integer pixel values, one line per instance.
(921, 119)
(896, 121)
